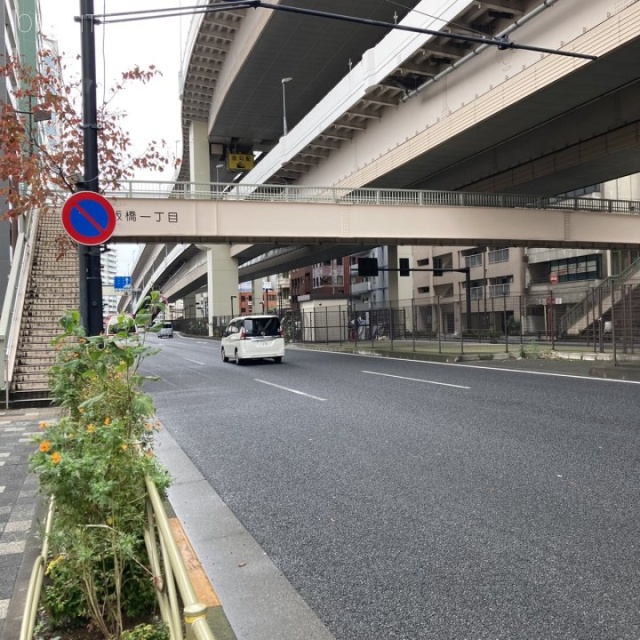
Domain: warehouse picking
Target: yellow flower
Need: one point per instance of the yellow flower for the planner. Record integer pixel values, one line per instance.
(124, 447)
(43, 424)
(91, 428)
(55, 457)
(53, 563)
(45, 445)
(107, 422)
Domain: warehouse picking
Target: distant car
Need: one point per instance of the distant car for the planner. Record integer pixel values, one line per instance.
(252, 338)
(166, 330)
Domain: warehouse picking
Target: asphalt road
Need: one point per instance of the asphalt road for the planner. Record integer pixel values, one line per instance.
(420, 500)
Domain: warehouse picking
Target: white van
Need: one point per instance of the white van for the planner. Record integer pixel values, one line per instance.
(252, 338)
(166, 330)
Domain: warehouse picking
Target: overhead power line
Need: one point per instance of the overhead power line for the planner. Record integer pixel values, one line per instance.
(502, 43)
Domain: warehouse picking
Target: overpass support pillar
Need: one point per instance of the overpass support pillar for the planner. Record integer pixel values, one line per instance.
(189, 306)
(222, 283)
(400, 288)
(222, 269)
(257, 295)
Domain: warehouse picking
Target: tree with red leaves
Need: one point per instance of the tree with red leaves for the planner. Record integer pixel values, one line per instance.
(38, 162)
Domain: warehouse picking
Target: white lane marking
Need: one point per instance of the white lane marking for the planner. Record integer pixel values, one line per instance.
(476, 366)
(442, 384)
(194, 361)
(300, 393)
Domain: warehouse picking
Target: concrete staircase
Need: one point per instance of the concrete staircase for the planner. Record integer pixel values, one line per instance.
(52, 289)
(582, 316)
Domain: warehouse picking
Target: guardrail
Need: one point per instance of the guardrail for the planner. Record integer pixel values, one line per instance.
(380, 197)
(165, 560)
(35, 583)
(14, 299)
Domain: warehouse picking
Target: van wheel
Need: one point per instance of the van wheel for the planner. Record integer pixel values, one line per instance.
(278, 359)
(237, 358)
(224, 358)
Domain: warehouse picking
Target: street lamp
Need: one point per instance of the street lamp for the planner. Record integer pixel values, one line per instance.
(38, 115)
(35, 116)
(284, 106)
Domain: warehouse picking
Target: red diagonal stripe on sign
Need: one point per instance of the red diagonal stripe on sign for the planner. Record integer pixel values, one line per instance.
(89, 219)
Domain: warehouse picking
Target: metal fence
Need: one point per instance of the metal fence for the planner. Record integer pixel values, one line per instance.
(179, 607)
(604, 319)
(364, 196)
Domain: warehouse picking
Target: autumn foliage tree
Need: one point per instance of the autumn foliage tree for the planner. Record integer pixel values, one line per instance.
(38, 161)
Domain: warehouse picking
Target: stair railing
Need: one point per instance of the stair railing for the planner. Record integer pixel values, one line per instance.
(14, 299)
(580, 309)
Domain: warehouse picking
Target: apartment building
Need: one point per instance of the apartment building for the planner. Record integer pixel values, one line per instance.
(325, 280)
(513, 286)
(20, 37)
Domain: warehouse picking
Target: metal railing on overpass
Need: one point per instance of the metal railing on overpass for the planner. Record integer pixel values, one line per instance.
(366, 196)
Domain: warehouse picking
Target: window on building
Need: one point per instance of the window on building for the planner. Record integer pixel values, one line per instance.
(473, 261)
(580, 268)
(499, 255)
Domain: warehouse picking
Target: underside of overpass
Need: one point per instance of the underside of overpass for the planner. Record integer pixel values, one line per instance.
(579, 130)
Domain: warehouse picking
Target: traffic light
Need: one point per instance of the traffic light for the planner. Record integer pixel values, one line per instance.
(367, 267)
(437, 267)
(404, 266)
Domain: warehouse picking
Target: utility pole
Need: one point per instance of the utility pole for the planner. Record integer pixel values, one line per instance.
(89, 256)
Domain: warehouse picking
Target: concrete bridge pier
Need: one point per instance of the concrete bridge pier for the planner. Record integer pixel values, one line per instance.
(222, 270)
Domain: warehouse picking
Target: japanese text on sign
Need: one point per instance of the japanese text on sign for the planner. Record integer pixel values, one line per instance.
(130, 215)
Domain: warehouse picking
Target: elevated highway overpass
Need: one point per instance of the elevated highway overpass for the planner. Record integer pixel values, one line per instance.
(407, 110)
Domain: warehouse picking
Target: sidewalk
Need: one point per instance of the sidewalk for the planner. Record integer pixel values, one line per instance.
(19, 501)
(259, 598)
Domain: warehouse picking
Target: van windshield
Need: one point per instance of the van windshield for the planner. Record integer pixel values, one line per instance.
(262, 326)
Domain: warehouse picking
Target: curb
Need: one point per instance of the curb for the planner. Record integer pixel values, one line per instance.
(205, 593)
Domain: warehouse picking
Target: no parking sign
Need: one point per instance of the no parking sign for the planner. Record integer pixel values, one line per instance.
(88, 218)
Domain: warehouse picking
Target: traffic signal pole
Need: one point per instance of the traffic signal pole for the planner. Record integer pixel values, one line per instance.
(89, 256)
(368, 267)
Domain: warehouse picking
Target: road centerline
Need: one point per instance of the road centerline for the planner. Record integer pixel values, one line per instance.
(441, 384)
(290, 390)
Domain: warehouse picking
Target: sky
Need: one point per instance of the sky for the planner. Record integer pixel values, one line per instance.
(153, 110)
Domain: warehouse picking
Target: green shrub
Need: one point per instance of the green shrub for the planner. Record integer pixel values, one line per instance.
(94, 461)
(157, 631)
